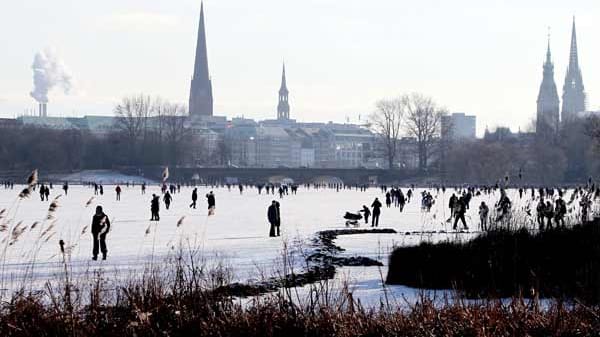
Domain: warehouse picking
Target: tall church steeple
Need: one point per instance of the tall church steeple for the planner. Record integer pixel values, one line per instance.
(573, 89)
(283, 107)
(201, 99)
(548, 104)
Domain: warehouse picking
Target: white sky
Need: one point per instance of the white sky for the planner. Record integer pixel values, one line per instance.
(480, 57)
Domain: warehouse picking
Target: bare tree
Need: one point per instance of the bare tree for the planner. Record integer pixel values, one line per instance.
(423, 119)
(386, 121)
(176, 131)
(131, 115)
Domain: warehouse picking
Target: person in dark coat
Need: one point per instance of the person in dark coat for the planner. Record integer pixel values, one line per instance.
(459, 213)
(376, 205)
(42, 191)
(560, 211)
(367, 213)
(401, 200)
(118, 191)
(194, 198)
(484, 211)
(100, 227)
(452, 204)
(167, 198)
(585, 204)
(154, 208)
(66, 187)
(278, 223)
(273, 217)
(541, 208)
(210, 199)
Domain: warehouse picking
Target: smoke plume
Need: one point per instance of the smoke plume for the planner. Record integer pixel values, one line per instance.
(49, 72)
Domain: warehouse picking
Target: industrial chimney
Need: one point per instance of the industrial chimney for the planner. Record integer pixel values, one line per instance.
(43, 109)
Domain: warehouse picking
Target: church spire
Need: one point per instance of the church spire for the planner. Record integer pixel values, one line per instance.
(283, 107)
(548, 52)
(283, 82)
(548, 114)
(201, 100)
(573, 89)
(573, 57)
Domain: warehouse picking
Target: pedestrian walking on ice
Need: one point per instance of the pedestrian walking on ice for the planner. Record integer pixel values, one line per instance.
(376, 205)
(274, 218)
(210, 199)
(167, 198)
(100, 228)
(194, 198)
(154, 208)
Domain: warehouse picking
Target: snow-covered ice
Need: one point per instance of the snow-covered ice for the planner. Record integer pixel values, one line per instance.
(237, 234)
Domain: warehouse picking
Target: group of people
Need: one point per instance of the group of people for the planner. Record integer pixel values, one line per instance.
(375, 213)
(549, 212)
(44, 192)
(551, 209)
(427, 201)
(459, 206)
(396, 196)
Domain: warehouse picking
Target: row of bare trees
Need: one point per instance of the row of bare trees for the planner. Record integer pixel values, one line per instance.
(411, 115)
(570, 156)
(153, 127)
(147, 131)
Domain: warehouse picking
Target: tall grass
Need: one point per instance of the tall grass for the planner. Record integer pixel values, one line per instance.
(561, 262)
(182, 301)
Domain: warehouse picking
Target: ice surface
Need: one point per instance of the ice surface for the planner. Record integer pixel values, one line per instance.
(237, 234)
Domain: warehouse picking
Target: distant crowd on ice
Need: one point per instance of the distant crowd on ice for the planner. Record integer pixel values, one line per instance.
(552, 204)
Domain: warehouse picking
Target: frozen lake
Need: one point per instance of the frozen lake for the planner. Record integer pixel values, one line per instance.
(237, 234)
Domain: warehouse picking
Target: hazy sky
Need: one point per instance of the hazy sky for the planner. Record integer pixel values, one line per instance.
(480, 57)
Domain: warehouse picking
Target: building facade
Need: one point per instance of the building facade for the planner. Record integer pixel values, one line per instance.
(458, 126)
(318, 145)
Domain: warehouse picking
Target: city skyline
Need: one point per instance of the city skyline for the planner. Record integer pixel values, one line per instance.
(321, 90)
